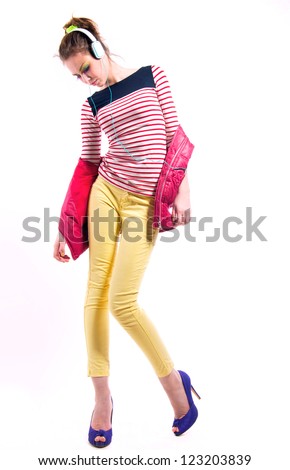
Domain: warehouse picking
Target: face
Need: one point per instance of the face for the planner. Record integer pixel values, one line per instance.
(87, 69)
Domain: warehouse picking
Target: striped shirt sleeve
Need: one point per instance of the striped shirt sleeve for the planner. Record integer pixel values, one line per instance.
(91, 135)
(166, 102)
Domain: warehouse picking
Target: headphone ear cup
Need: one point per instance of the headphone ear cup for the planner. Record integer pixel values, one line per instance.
(97, 49)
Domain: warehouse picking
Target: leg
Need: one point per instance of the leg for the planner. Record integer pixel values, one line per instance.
(134, 252)
(103, 227)
(133, 257)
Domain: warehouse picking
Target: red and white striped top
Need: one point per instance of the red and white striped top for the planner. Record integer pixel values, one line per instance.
(138, 116)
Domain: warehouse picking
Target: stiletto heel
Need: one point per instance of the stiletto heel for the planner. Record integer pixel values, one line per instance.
(183, 424)
(93, 433)
(195, 392)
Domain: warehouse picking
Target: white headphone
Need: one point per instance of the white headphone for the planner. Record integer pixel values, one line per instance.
(96, 47)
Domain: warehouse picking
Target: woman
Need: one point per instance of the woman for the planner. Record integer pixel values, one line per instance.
(134, 108)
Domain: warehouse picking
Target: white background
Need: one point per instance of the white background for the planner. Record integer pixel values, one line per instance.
(220, 307)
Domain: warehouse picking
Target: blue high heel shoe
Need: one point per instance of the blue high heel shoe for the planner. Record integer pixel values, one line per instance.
(183, 424)
(93, 433)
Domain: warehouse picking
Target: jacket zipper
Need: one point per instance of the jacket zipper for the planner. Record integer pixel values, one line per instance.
(170, 166)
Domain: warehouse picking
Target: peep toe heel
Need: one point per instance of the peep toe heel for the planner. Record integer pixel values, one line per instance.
(184, 423)
(93, 433)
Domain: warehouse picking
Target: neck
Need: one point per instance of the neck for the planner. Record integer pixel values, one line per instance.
(116, 72)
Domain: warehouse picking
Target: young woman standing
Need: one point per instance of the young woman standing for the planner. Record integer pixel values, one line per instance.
(134, 108)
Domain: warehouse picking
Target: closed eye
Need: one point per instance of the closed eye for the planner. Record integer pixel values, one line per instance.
(84, 69)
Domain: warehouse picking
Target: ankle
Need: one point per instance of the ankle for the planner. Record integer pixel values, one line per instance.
(171, 382)
(101, 386)
(103, 398)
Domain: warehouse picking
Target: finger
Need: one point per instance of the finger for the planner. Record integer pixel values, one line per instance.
(65, 257)
(61, 249)
(174, 217)
(180, 219)
(187, 216)
(62, 257)
(58, 258)
(62, 246)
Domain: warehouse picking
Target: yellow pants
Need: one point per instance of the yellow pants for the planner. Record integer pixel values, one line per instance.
(120, 243)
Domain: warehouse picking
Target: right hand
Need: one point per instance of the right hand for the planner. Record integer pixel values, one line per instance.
(59, 249)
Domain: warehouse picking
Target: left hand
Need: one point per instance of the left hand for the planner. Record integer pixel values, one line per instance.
(181, 209)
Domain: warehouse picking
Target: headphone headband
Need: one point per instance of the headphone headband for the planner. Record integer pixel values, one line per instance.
(96, 47)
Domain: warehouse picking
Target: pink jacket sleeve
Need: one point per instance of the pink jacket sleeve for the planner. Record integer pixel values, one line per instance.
(73, 223)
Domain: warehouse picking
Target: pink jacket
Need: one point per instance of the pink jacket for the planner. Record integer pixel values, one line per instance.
(73, 224)
(171, 176)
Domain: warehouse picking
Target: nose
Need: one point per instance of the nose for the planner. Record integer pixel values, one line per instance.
(85, 78)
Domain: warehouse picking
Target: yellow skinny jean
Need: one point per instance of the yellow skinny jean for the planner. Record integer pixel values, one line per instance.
(120, 244)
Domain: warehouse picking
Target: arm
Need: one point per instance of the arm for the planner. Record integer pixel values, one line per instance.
(75, 203)
(166, 102)
(181, 205)
(91, 135)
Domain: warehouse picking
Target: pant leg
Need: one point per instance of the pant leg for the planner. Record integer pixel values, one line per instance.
(136, 245)
(103, 227)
